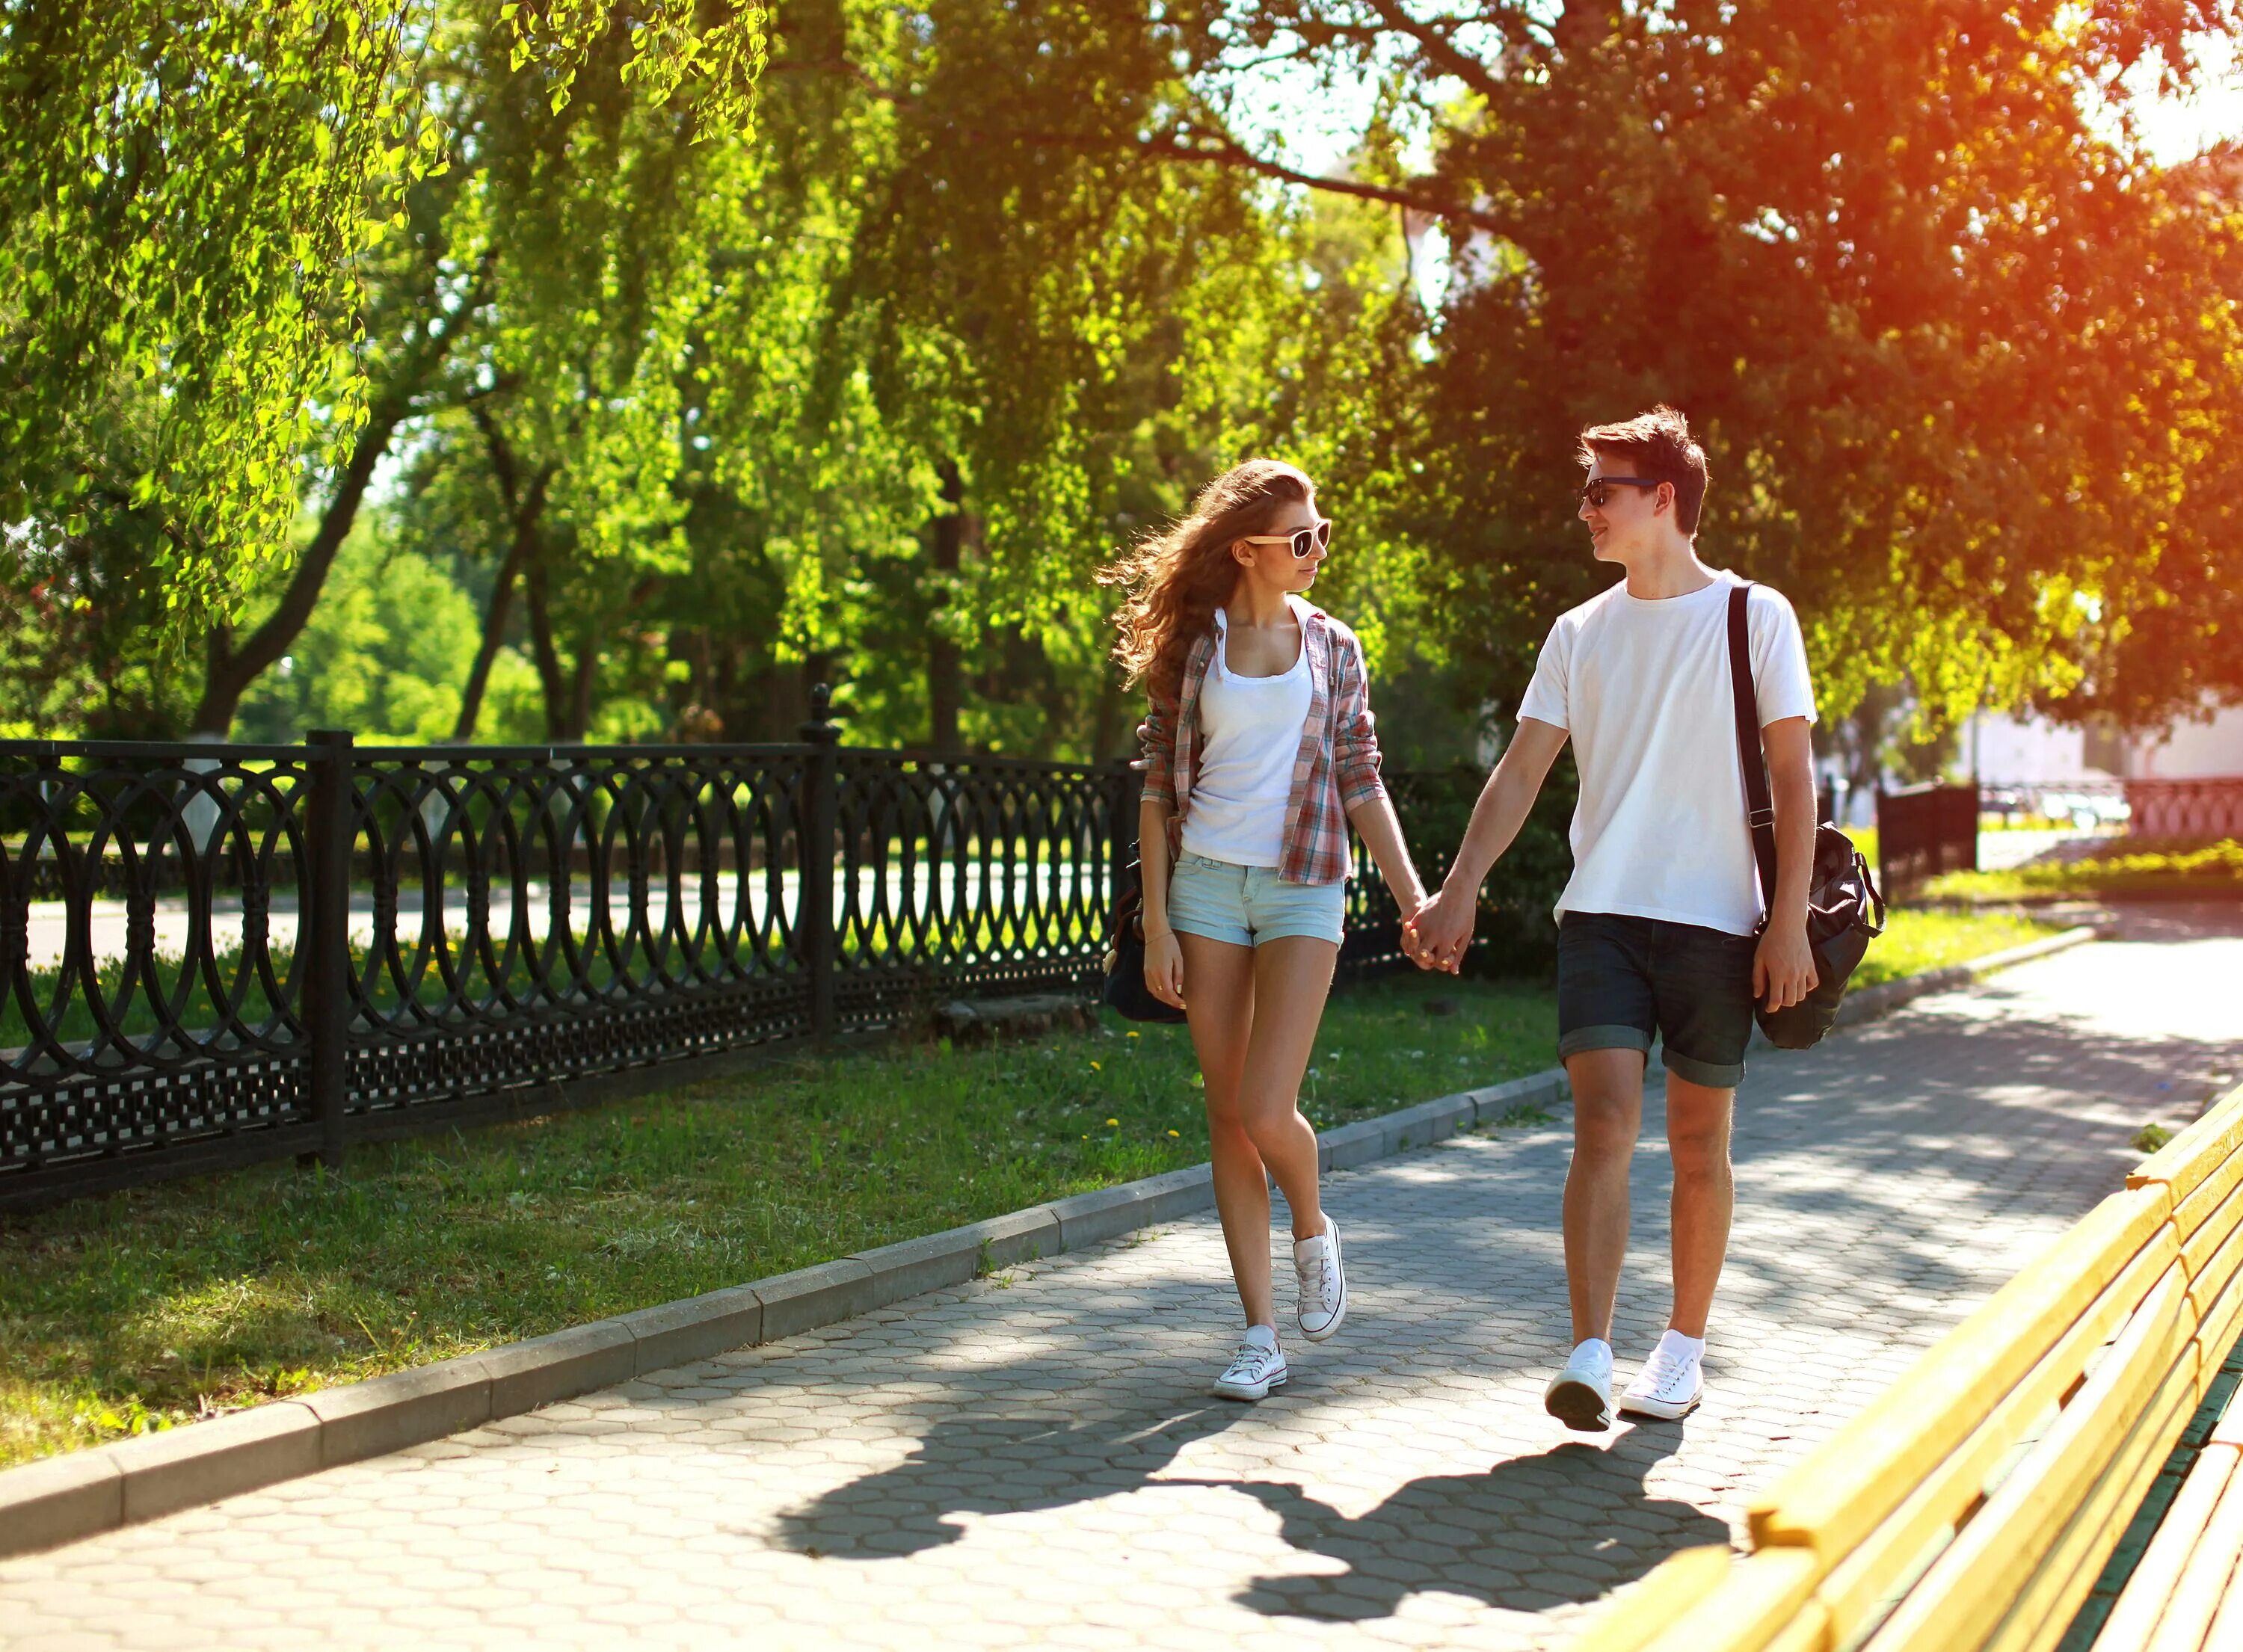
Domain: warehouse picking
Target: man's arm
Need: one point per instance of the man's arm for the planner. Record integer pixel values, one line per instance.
(1783, 968)
(1442, 928)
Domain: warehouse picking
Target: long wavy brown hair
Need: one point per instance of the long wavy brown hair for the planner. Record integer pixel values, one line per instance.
(1176, 580)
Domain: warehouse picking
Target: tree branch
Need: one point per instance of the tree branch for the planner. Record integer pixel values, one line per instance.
(1229, 152)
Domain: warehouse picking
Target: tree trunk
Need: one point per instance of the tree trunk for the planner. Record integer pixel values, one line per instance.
(944, 664)
(550, 675)
(580, 690)
(494, 618)
(233, 669)
(524, 509)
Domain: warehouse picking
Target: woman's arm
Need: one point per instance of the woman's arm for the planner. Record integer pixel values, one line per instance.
(1380, 828)
(1164, 958)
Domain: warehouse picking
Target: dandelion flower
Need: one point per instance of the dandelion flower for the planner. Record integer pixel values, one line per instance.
(1115, 1122)
(1173, 1133)
(1094, 1067)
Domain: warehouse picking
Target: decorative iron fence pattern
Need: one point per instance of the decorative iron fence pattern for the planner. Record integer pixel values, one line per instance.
(215, 955)
(2211, 808)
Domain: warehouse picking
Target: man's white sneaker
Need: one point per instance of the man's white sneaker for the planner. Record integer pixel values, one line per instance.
(1580, 1395)
(1257, 1367)
(1323, 1282)
(1671, 1385)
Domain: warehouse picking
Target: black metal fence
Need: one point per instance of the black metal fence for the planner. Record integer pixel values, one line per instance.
(212, 955)
(1924, 831)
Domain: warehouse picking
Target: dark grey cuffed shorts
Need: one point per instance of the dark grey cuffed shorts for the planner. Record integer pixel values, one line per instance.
(1624, 980)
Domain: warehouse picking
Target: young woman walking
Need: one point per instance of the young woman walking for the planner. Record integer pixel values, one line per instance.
(1258, 751)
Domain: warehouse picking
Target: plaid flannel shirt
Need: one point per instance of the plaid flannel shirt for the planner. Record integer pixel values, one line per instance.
(1335, 768)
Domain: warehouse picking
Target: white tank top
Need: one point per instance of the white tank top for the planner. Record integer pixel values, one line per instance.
(1250, 737)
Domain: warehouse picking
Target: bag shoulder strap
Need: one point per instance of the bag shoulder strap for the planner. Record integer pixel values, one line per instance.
(1760, 808)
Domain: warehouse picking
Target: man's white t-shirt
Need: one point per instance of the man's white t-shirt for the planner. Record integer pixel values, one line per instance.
(1642, 686)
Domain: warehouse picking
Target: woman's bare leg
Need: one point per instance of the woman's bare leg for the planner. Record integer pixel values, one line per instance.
(1292, 976)
(1219, 994)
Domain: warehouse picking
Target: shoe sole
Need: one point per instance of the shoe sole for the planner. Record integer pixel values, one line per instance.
(1331, 1232)
(1659, 1410)
(1578, 1406)
(1259, 1391)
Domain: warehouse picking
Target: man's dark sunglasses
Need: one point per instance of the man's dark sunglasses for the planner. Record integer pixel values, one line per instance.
(1308, 539)
(1597, 494)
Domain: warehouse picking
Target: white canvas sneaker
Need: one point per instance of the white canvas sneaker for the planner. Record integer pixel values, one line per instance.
(1671, 1384)
(1580, 1395)
(1254, 1370)
(1323, 1282)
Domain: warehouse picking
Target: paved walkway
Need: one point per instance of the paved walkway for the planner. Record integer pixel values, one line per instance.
(1031, 1462)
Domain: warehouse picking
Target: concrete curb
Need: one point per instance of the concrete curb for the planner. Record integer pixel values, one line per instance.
(1872, 1002)
(58, 1499)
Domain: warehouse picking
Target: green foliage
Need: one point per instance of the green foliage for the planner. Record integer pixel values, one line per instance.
(1916, 941)
(151, 1306)
(384, 656)
(2213, 868)
(187, 196)
(1894, 273)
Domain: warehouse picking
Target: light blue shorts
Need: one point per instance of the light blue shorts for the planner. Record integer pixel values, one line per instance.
(1247, 905)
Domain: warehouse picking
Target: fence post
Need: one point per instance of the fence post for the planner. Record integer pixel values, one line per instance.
(323, 933)
(814, 910)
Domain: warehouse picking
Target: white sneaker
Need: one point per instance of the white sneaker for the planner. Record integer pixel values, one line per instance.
(1257, 1367)
(1671, 1385)
(1580, 1395)
(1323, 1282)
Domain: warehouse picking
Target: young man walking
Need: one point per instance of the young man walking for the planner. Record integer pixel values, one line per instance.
(1659, 931)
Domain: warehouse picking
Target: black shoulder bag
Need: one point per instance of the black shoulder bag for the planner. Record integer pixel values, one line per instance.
(1844, 911)
(1125, 955)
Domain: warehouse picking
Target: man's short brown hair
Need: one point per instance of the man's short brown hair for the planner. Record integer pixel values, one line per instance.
(1659, 446)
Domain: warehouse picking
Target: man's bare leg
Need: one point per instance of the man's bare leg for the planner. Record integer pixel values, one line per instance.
(1705, 1197)
(1607, 1115)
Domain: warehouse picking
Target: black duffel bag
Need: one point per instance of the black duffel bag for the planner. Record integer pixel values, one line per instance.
(1844, 911)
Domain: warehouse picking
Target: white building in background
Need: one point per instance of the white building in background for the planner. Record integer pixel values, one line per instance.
(2000, 749)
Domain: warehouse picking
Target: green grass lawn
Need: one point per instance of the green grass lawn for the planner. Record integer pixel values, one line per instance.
(156, 1307)
(1915, 941)
(2212, 870)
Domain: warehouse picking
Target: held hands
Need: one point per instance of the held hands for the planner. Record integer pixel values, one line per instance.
(1164, 969)
(1783, 966)
(1436, 935)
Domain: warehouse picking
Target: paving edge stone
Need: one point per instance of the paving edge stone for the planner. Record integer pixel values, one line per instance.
(59, 1499)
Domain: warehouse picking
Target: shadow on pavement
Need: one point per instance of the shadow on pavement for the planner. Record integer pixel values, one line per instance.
(994, 1465)
(1569, 1525)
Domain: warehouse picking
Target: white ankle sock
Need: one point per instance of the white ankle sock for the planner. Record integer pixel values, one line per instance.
(1264, 1336)
(1686, 1347)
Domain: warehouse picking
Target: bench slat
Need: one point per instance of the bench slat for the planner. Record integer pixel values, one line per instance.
(1670, 1589)
(1994, 1558)
(2210, 1213)
(1865, 1578)
(2187, 1625)
(2196, 1152)
(2066, 1574)
(1763, 1595)
(1838, 1494)
(2134, 1615)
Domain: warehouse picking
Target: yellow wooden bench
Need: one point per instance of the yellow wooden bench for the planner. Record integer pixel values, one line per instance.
(2185, 1595)
(1973, 1504)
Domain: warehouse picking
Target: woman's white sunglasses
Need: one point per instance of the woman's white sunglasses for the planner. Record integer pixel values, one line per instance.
(1307, 539)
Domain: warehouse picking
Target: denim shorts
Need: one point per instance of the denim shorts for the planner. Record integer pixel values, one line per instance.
(1623, 981)
(1247, 905)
